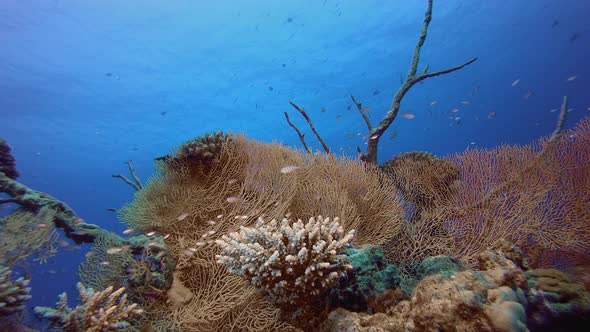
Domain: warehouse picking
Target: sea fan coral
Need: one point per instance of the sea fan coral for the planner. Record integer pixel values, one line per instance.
(100, 311)
(290, 263)
(13, 293)
(27, 234)
(194, 205)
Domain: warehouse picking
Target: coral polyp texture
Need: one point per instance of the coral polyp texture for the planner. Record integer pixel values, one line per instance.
(422, 178)
(13, 293)
(201, 149)
(7, 162)
(290, 263)
(99, 311)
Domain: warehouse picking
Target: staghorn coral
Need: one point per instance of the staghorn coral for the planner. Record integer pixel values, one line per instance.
(290, 263)
(24, 234)
(7, 162)
(13, 293)
(100, 311)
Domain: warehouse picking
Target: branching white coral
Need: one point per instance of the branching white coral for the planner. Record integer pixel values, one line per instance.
(99, 311)
(291, 264)
(13, 293)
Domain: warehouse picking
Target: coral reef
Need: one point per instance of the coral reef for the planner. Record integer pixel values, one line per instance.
(495, 297)
(534, 195)
(100, 311)
(192, 206)
(202, 149)
(370, 278)
(7, 162)
(13, 293)
(291, 263)
(26, 234)
(422, 178)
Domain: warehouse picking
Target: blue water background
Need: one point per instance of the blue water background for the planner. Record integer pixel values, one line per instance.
(87, 85)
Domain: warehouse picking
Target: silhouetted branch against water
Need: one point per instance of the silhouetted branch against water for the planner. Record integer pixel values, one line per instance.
(301, 136)
(376, 132)
(560, 121)
(359, 106)
(136, 183)
(304, 114)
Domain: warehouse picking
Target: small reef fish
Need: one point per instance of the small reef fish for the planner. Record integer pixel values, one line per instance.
(515, 82)
(232, 181)
(63, 243)
(105, 263)
(182, 216)
(365, 110)
(128, 231)
(42, 225)
(571, 78)
(553, 110)
(211, 222)
(491, 115)
(433, 103)
(150, 233)
(289, 169)
(409, 116)
(455, 110)
(374, 137)
(78, 221)
(200, 244)
(166, 236)
(114, 250)
(79, 233)
(233, 199)
(219, 216)
(528, 94)
(187, 253)
(465, 102)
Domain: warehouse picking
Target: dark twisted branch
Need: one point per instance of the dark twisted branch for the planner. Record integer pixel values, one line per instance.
(359, 106)
(304, 114)
(136, 183)
(376, 132)
(301, 136)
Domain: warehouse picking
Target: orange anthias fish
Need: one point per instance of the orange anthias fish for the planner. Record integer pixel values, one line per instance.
(409, 116)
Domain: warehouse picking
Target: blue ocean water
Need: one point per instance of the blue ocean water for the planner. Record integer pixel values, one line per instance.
(88, 85)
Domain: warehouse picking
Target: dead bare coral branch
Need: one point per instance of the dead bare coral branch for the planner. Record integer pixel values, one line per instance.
(411, 79)
(560, 120)
(136, 183)
(359, 106)
(304, 114)
(301, 136)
